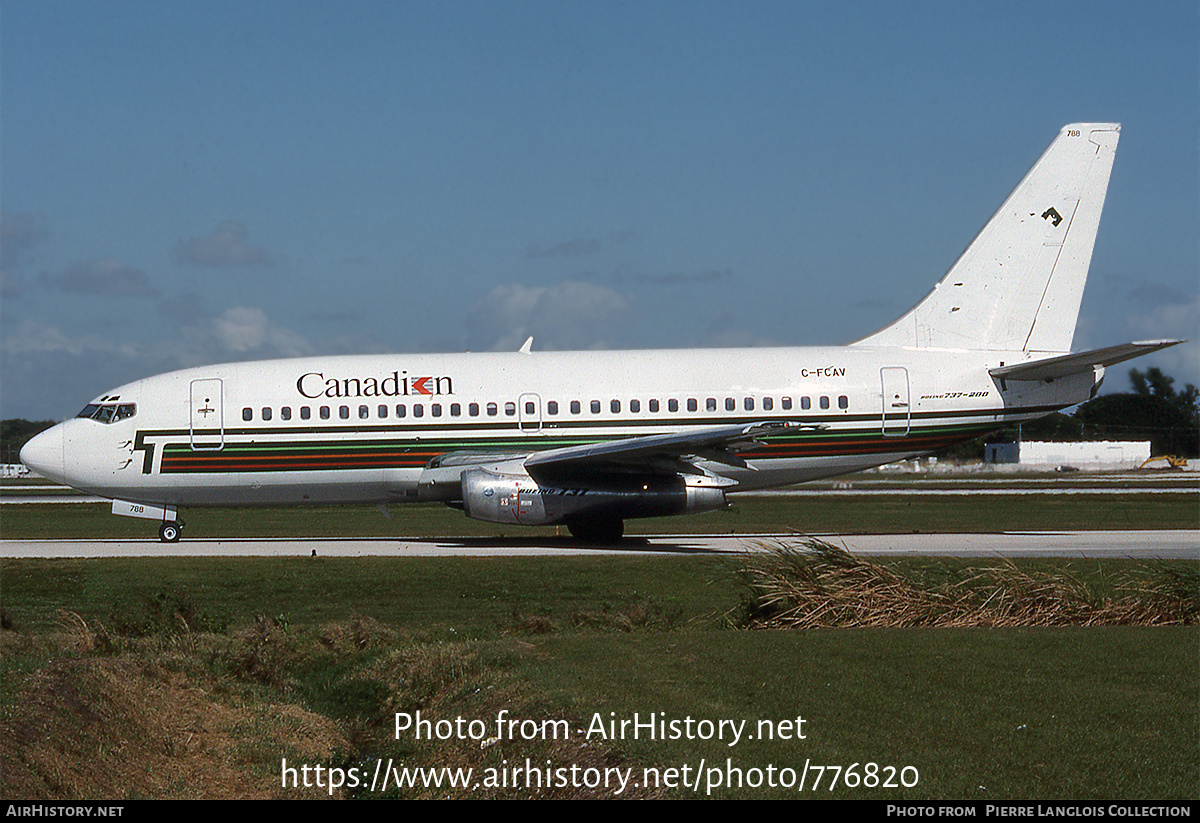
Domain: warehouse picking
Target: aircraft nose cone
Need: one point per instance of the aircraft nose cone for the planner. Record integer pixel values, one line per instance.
(44, 453)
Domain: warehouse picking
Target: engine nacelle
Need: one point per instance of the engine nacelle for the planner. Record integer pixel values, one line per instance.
(521, 500)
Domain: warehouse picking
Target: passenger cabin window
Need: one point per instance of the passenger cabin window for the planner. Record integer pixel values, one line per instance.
(673, 405)
(324, 412)
(344, 412)
(824, 402)
(843, 402)
(552, 407)
(576, 408)
(635, 405)
(266, 413)
(285, 413)
(305, 413)
(473, 409)
(595, 407)
(247, 414)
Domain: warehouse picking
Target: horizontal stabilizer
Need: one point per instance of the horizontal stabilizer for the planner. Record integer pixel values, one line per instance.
(1055, 367)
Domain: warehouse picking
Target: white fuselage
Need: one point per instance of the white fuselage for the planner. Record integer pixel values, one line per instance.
(589, 439)
(361, 429)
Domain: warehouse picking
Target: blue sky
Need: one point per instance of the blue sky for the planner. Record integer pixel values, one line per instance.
(186, 183)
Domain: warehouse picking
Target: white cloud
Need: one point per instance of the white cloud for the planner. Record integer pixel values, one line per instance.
(103, 277)
(46, 372)
(1150, 313)
(30, 337)
(226, 245)
(248, 331)
(570, 315)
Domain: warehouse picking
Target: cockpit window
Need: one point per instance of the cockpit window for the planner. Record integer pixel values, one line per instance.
(108, 412)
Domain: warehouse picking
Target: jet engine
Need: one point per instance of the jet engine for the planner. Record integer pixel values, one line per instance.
(519, 499)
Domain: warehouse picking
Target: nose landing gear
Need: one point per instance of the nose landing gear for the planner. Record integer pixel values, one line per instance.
(170, 531)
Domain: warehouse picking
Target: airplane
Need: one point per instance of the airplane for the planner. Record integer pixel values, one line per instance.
(591, 439)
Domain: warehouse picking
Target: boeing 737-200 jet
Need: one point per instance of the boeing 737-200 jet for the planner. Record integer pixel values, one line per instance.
(590, 439)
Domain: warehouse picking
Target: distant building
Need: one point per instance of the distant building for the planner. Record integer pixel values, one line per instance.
(1002, 453)
(1087, 454)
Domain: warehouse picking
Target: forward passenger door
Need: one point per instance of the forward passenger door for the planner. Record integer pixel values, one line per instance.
(207, 414)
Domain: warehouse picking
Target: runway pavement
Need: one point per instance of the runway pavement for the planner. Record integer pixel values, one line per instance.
(1134, 544)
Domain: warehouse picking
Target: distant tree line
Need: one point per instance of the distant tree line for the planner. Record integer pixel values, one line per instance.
(1153, 411)
(15, 433)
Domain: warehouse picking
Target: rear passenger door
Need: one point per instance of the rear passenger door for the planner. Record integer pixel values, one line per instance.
(896, 414)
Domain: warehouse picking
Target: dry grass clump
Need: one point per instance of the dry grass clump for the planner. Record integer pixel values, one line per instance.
(815, 584)
(355, 635)
(147, 722)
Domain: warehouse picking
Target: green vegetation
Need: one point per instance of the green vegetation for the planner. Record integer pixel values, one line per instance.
(836, 514)
(1153, 411)
(209, 671)
(15, 433)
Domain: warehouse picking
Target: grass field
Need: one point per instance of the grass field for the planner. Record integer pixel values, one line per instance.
(198, 677)
(851, 514)
(117, 661)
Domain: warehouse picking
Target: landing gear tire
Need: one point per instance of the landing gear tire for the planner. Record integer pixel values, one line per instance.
(170, 532)
(604, 532)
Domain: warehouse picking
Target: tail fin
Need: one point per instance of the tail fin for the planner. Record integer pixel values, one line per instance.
(1018, 285)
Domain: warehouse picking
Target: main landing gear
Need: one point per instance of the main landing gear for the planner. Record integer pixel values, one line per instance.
(170, 531)
(604, 531)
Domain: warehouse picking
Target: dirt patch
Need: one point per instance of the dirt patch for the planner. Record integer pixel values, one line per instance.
(123, 728)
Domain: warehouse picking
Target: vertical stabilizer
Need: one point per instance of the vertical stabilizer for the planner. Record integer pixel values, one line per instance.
(1018, 285)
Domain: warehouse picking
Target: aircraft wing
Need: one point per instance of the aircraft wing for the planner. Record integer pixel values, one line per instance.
(719, 444)
(1055, 367)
